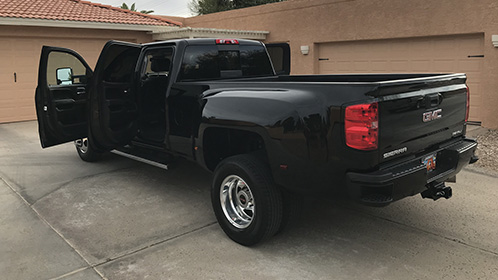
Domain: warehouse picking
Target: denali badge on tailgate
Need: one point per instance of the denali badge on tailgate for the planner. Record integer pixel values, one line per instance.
(432, 115)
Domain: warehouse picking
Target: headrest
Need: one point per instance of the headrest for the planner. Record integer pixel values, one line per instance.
(160, 64)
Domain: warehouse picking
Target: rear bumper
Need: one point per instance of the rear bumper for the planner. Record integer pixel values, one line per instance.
(410, 177)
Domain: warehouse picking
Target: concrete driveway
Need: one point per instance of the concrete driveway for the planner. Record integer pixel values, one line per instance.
(63, 218)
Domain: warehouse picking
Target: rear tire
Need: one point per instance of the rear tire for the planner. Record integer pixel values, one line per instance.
(85, 151)
(246, 202)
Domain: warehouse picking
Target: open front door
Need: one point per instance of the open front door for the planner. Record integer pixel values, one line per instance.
(61, 96)
(280, 57)
(113, 102)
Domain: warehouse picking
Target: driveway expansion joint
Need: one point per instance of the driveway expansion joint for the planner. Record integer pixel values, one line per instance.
(55, 230)
(153, 245)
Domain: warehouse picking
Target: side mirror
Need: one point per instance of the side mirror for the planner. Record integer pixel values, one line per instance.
(64, 76)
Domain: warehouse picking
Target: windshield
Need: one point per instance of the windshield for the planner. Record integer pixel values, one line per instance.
(216, 62)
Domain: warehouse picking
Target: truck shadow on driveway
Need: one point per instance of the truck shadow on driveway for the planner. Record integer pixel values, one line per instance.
(144, 213)
(332, 239)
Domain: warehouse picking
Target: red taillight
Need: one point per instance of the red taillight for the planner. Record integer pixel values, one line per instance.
(468, 105)
(227, 42)
(361, 124)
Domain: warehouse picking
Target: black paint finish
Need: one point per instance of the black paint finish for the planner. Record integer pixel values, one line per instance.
(295, 123)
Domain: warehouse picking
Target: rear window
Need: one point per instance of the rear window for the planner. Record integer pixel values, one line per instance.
(218, 62)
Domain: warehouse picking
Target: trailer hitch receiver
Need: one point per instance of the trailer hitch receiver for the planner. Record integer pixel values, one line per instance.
(437, 191)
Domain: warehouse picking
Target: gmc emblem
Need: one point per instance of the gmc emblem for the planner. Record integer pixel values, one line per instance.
(432, 115)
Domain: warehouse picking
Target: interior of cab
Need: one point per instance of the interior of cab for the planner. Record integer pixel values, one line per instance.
(153, 85)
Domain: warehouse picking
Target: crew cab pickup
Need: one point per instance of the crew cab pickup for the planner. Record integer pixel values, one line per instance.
(375, 138)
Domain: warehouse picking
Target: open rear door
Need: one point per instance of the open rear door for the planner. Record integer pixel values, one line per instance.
(280, 57)
(61, 96)
(113, 102)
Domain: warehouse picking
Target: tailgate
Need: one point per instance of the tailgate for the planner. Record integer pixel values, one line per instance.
(415, 115)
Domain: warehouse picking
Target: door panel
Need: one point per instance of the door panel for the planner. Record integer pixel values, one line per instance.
(154, 82)
(184, 113)
(113, 103)
(61, 97)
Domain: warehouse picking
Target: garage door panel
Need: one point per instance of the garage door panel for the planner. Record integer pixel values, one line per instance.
(21, 56)
(446, 65)
(26, 61)
(378, 65)
(6, 45)
(396, 49)
(399, 66)
(442, 54)
(469, 44)
(419, 48)
(361, 66)
(420, 65)
(470, 66)
(6, 79)
(442, 46)
(345, 66)
(16, 109)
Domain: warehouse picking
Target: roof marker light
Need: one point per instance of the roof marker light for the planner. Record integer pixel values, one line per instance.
(227, 42)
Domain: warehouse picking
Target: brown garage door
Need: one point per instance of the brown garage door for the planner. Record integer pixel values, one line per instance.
(19, 58)
(17, 86)
(442, 54)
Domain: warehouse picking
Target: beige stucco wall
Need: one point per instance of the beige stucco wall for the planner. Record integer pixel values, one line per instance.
(307, 22)
(20, 49)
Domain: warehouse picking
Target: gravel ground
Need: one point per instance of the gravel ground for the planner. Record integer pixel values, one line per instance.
(487, 150)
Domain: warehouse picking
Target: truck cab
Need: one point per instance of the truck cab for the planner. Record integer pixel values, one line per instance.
(137, 92)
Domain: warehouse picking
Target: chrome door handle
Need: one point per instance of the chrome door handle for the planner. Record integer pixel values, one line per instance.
(80, 91)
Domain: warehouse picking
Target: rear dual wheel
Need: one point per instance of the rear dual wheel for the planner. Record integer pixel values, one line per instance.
(246, 202)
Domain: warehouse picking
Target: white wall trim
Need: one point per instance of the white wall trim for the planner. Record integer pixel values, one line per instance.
(190, 33)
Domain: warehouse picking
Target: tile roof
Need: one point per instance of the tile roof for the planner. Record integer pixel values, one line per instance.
(77, 10)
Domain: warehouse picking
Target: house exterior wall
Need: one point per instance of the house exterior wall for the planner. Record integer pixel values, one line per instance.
(311, 22)
(20, 54)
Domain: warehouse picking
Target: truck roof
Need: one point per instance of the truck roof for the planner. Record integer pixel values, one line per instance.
(201, 41)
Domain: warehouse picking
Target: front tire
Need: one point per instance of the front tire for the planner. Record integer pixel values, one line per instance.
(246, 202)
(85, 151)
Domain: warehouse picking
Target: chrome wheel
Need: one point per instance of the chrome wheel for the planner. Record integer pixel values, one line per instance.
(237, 201)
(82, 145)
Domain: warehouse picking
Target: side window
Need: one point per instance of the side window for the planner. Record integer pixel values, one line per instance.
(157, 62)
(277, 58)
(64, 69)
(280, 57)
(119, 66)
(200, 62)
(255, 62)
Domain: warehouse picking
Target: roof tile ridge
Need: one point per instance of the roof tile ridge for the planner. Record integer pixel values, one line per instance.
(128, 11)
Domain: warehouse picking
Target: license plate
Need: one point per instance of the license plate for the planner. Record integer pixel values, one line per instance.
(430, 162)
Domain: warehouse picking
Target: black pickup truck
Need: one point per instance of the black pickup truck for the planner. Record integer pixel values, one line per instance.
(266, 137)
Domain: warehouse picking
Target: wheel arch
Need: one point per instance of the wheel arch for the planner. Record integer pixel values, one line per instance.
(217, 143)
